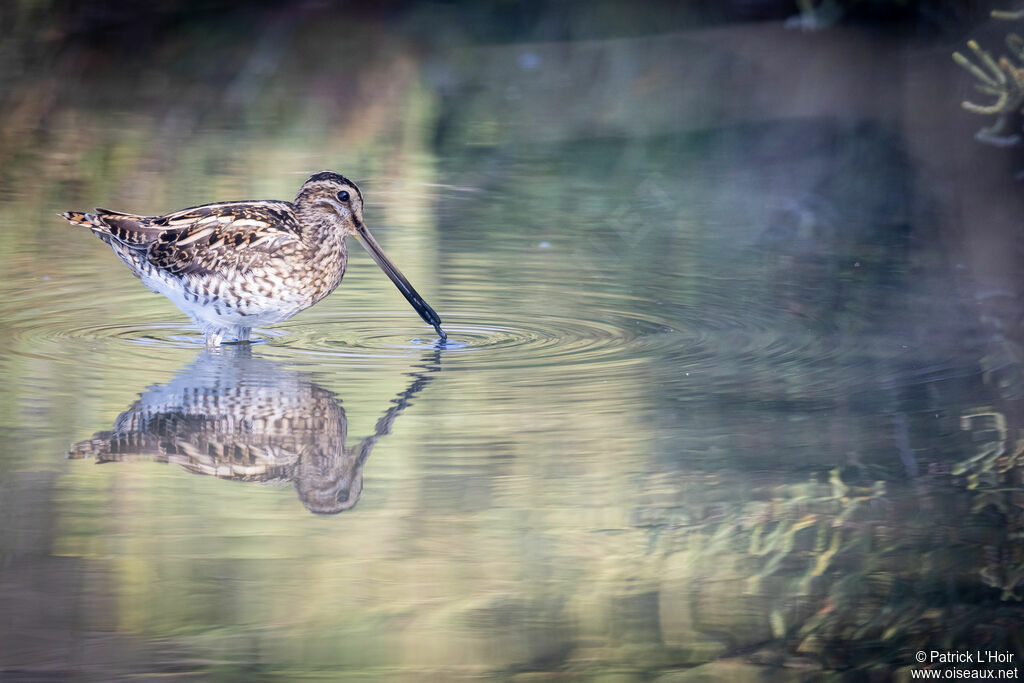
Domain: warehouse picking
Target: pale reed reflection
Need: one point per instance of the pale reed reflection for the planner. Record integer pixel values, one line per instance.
(236, 416)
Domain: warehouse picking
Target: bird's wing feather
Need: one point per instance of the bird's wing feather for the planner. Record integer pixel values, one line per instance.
(220, 237)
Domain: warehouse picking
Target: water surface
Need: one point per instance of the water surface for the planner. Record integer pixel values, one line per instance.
(719, 397)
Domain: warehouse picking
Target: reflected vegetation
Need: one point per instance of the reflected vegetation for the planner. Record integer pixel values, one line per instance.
(232, 416)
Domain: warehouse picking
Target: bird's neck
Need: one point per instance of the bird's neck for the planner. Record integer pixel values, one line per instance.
(318, 230)
(324, 244)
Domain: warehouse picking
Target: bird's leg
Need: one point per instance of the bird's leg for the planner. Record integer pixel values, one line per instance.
(242, 334)
(213, 338)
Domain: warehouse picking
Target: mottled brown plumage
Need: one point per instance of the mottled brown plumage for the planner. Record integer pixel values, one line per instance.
(235, 265)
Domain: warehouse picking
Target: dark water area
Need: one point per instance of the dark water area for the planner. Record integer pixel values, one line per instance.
(733, 387)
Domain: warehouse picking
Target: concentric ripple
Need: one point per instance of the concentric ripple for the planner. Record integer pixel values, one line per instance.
(717, 336)
(714, 337)
(544, 340)
(63, 328)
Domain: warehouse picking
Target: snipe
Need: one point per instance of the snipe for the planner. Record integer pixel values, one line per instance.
(232, 266)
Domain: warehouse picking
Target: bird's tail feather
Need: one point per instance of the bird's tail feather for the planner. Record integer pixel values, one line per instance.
(79, 218)
(90, 448)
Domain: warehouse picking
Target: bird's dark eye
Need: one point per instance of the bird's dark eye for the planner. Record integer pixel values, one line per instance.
(343, 195)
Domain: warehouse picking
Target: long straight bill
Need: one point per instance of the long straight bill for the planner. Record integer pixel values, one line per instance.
(407, 290)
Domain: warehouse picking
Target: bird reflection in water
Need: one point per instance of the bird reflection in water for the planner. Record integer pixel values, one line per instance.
(234, 416)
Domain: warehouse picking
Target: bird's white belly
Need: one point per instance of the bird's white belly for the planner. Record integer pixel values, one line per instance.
(219, 309)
